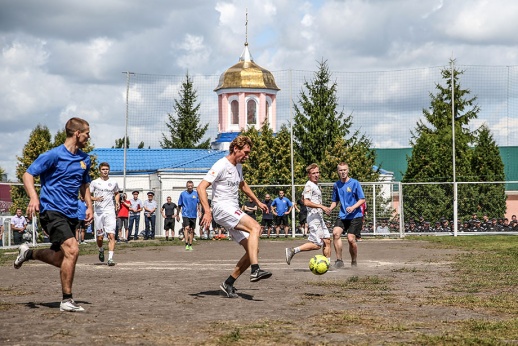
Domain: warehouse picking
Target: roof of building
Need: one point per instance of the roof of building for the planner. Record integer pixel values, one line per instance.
(145, 161)
(247, 74)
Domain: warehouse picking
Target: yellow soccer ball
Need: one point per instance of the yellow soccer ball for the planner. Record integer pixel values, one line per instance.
(319, 264)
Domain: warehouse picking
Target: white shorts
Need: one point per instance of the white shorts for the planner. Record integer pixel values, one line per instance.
(229, 217)
(105, 222)
(317, 229)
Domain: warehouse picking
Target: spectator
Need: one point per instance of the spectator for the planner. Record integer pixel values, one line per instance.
(18, 226)
(81, 214)
(383, 228)
(267, 219)
(122, 218)
(281, 207)
(426, 226)
(303, 215)
(169, 215)
(506, 227)
(250, 208)
(150, 207)
(134, 215)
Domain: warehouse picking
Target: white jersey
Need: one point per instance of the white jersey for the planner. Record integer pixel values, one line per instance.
(225, 179)
(313, 193)
(105, 189)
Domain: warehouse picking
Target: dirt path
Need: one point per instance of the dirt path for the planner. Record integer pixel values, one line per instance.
(165, 295)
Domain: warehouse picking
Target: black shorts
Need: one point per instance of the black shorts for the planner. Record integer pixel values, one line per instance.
(80, 224)
(351, 226)
(267, 222)
(169, 224)
(58, 226)
(303, 218)
(282, 220)
(189, 222)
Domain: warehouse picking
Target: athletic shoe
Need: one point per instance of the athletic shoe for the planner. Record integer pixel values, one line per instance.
(101, 255)
(229, 290)
(70, 305)
(338, 264)
(111, 263)
(289, 254)
(187, 247)
(22, 255)
(190, 247)
(259, 274)
(354, 264)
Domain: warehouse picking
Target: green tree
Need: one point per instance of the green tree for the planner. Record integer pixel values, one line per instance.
(487, 166)
(431, 159)
(184, 129)
(317, 123)
(2, 172)
(38, 143)
(119, 142)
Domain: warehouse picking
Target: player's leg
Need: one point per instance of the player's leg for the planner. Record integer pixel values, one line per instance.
(70, 253)
(352, 232)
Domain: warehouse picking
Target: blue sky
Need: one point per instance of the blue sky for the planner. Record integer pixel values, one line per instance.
(63, 58)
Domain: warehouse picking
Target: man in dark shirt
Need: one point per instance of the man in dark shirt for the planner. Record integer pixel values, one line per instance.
(169, 215)
(267, 220)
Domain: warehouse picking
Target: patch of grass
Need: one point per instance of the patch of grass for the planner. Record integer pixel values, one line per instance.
(406, 270)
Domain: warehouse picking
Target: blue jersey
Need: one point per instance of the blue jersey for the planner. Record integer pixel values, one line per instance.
(61, 174)
(282, 205)
(348, 194)
(189, 203)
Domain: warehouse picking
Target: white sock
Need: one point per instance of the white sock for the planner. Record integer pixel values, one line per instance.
(296, 250)
(110, 255)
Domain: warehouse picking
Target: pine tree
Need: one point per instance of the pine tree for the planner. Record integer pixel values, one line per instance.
(431, 159)
(184, 129)
(487, 165)
(317, 123)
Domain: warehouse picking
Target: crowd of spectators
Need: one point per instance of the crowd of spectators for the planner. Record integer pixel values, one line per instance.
(420, 225)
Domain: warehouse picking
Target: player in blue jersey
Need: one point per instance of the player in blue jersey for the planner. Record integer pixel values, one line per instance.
(349, 193)
(63, 171)
(188, 205)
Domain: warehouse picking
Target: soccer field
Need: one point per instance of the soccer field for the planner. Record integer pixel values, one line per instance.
(164, 295)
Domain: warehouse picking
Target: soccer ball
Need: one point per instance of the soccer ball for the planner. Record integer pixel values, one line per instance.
(319, 264)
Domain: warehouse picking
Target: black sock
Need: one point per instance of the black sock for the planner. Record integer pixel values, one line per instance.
(67, 296)
(29, 255)
(230, 281)
(255, 267)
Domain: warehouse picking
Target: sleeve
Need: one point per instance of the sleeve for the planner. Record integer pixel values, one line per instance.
(359, 191)
(214, 172)
(42, 163)
(335, 197)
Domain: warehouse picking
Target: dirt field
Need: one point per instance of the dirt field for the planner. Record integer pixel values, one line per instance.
(166, 295)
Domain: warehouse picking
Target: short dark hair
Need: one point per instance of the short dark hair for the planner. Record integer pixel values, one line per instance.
(75, 124)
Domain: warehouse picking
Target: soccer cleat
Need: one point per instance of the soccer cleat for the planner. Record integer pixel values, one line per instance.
(354, 264)
(289, 254)
(259, 274)
(190, 247)
(111, 263)
(186, 247)
(229, 290)
(70, 305)
(101, 255)
(338, 264)
(23, 250)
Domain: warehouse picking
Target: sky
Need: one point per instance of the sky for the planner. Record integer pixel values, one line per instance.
(65, 58)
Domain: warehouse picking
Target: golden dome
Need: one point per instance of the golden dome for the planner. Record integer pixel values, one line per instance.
(246, 74)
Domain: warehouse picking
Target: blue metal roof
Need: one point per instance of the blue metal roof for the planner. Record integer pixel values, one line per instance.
(226, 137)
(153, 160)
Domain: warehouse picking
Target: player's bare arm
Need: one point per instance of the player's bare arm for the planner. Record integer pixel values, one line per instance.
(310, 204)
(34, 202)
(85, 192)
(356, 205)
(204, 201)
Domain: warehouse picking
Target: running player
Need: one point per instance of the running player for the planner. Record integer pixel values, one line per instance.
(103, 190)
(318, 232)
(226, 177)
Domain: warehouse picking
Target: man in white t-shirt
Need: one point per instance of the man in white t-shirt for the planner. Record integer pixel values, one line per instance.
(318, 233)
(226, 178)
(104, 190)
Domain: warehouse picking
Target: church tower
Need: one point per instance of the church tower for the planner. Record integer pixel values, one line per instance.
(246, 97)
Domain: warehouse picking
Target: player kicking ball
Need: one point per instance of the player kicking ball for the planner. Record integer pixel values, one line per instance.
(318, 233)
(226, 178)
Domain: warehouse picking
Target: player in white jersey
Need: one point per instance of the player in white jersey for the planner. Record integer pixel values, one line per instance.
(104, 190)
(318, 233)
(226, 178)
